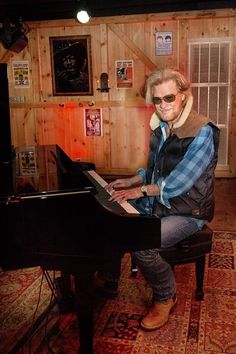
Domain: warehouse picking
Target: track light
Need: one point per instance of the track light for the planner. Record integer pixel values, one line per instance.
(83, 15)
(13, 34)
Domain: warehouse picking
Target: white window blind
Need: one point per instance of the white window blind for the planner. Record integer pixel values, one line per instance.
(210, 76)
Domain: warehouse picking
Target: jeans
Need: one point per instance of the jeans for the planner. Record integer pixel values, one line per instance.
(156, 271)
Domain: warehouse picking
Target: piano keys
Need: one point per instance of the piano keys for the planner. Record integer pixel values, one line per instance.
(99, 181)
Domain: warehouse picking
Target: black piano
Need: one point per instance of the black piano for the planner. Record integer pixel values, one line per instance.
(57, 216)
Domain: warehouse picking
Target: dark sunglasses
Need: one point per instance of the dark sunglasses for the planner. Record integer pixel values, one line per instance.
(167, 99)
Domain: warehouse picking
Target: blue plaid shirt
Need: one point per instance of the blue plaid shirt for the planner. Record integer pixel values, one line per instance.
(198, 156)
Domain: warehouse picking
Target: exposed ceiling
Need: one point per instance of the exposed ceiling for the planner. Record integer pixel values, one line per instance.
(38, 10)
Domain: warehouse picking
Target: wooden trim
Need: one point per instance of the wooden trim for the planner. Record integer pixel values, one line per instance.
(80, 104)
(151, 17)
(132, 46)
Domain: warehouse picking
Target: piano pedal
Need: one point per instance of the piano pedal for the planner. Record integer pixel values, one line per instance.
(134, 271)
(134, 268)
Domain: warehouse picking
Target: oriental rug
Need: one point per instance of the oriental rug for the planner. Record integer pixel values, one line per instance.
(194, 327)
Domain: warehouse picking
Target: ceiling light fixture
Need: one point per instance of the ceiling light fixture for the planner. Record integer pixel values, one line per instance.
(83, 15)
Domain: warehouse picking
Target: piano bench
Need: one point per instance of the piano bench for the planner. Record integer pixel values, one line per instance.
(191, 250)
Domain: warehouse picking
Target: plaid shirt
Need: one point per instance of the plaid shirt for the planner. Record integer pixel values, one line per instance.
(189, 169)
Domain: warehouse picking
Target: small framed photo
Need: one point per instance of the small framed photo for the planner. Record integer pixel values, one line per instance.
(21, 73)
(164, 43)
(71, 65)
(124, 73)
(93, 122)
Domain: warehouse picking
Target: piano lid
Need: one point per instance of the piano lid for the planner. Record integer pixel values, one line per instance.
(47, 169)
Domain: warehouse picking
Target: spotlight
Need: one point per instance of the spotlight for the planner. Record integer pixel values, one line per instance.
(83, 15)
(12, 35)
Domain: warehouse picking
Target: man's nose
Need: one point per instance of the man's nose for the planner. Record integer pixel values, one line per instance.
(163, 103)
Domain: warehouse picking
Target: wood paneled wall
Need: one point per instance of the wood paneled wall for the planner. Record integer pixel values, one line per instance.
(46, 119)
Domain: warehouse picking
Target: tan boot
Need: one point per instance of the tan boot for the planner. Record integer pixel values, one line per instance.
(158, 314)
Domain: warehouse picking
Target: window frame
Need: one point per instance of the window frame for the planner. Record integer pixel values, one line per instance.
(208, 85)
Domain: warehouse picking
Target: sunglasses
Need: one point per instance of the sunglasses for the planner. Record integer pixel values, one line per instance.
(167, 99)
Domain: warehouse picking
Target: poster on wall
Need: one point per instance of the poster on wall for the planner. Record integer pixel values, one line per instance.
(21, 73)
(163, 43)
(71, 65)
(93, 122)
(124, 73)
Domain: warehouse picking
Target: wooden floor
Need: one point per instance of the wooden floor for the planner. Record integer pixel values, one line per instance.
(225, 205)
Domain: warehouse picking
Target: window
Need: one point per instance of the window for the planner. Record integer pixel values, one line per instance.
(210, 75)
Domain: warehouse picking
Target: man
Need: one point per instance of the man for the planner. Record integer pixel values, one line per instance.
(177, 184)
(160, 40)
(71, 74)
(168, 39)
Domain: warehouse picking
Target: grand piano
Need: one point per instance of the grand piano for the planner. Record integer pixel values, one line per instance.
(57, 216)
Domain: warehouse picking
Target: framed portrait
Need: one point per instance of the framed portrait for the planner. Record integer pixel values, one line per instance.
(71, 65)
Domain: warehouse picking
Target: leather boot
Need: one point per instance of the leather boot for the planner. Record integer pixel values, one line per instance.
(158, 314)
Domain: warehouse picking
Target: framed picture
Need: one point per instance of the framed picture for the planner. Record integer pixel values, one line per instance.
(21, 73)
(163, 43)
(93, 122)
(71, 65)
(124, 73)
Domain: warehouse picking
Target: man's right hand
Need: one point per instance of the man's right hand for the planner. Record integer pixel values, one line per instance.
(120, 183)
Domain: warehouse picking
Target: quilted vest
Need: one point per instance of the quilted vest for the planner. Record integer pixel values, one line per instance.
(198, 202)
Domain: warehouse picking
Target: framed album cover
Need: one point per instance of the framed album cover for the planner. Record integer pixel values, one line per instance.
(71, 65)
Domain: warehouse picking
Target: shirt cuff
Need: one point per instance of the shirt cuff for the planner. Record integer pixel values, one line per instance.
(142, 172)
(162, 198)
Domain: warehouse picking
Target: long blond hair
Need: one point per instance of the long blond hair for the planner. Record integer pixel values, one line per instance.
(160, 76)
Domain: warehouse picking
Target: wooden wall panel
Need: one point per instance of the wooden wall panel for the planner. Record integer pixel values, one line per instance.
(46, 119)
(23, 127)
(129, 138)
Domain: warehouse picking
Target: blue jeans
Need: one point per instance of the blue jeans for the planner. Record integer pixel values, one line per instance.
(156, 271)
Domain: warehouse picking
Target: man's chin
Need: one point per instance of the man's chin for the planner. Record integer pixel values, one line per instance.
(166, 117)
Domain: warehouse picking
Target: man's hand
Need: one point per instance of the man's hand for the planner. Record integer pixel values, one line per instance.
(123, 195)
(120, 183)
(124, 183)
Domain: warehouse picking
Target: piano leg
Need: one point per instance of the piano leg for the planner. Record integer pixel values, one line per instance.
(84, 288)
(64, 294)
(84, 292)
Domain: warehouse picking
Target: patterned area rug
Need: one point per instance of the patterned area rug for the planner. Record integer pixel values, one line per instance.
(194, 327)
